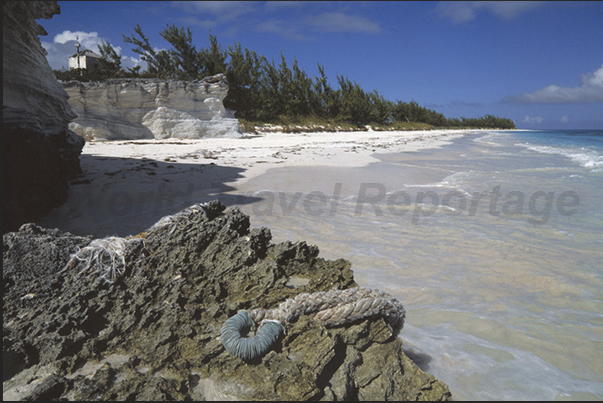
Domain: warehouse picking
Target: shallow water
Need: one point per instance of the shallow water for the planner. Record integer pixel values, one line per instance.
(494, 244)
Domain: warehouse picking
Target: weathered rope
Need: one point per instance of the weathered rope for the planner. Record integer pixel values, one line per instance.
(107, 255)
(193, 213)
(248, 347)
(332, 308)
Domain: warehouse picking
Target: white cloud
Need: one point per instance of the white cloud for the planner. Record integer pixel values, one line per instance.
(532, 119)
(564, 119)
(130, 62)
(464, 103)
(224, 10)
(340, 22)
(89, 40)
(590, 91)
(63, 47)
(280, 27)
(280, 5)
(206, 23)
(464, 11)
(289, 23)
(332, 22)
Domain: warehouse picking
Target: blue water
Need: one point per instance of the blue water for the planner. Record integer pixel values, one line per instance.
(493, 243)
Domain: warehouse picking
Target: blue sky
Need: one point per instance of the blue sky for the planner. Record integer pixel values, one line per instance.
(538, 63)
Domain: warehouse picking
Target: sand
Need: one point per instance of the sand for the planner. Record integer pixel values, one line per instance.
(127, 185)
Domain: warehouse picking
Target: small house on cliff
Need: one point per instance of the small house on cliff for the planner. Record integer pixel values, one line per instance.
(86, 59)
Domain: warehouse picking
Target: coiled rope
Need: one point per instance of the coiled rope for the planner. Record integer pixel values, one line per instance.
(247, 348)
(332, 308)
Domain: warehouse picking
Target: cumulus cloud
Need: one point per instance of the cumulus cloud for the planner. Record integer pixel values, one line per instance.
(63, 47)
(464, 11)
(532, 119)
(564, 119)
(589, 91)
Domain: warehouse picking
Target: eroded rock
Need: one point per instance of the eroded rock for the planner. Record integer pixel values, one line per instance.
(39, 154)
(154, 334)
(132, 109)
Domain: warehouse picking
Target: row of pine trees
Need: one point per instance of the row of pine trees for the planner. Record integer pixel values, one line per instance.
(261, 91)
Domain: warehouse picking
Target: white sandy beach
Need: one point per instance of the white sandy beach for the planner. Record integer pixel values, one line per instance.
(258, 153)
(127, 185)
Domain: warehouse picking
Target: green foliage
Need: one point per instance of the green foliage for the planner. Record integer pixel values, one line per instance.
(182, 59)
(488, 121)
(212, 61)
(110, 61)
(158, 63)
(261, 91)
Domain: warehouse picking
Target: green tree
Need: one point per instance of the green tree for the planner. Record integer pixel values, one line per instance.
(259, 90)
(159, 64)
(321, 95)
(354, 105)
(212, 60)
(381, 109)
(110, 62)
(284, 93)
(244, 75)
(183, 56)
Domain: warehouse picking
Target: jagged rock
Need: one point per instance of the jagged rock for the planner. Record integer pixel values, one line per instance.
(154, 334)
(120, 109)
(40, 154)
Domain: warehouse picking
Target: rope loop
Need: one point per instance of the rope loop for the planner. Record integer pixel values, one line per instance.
(248, 348)
(332, 308)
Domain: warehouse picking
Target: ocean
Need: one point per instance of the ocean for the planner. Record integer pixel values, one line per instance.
(493, 244)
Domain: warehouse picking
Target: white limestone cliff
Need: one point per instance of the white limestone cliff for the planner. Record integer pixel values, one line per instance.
(132, 109)
(30, 89)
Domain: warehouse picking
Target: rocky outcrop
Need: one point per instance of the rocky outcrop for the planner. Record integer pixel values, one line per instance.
(40, 154)
(154, 332)
(120, 109)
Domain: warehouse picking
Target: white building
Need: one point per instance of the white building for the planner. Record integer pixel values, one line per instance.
(87, 60)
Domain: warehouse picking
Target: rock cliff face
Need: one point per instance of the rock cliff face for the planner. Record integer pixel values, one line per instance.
(40, 154)
(131, 109)
(154, 332)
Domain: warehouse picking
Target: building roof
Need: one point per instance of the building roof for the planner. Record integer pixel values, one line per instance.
(88, 53)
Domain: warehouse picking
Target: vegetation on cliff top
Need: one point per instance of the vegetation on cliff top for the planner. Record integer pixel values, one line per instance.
(262, 92)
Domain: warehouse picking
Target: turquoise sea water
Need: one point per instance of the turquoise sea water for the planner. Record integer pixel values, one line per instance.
(493, 243)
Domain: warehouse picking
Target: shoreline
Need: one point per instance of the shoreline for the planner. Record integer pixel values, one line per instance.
(258, 153)
(127, 185)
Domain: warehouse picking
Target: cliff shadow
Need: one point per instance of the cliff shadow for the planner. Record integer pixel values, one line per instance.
(125, 196)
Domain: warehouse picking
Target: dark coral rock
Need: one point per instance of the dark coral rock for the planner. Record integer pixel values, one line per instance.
(154, 334)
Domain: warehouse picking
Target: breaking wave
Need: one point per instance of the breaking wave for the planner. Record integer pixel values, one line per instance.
(588, 159)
